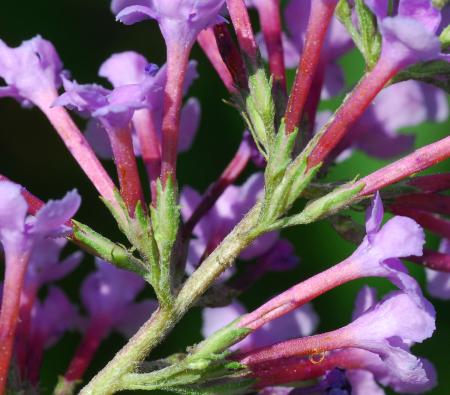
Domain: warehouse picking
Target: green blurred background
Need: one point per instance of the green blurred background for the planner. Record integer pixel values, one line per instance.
(85, 34)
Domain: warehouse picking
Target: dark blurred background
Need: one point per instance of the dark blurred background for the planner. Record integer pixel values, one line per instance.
(85, 34)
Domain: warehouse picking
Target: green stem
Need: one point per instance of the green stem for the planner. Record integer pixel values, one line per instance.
(127, 360)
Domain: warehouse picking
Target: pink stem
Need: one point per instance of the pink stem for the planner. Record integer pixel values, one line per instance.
(34, 203)
(228, 177)
(313, 100)
(319, 20)
(95, 333)
(177, 62)
(431, 202)
(302, 293)
(208, 43)
(78, 147)
(433, 260)
(149, 141)
(352, 108)
(270, 18)
(432, 183)
(310, 345)
(130, 183)
(244, 31)
(16, 266)
(432, 222)
(413, 163)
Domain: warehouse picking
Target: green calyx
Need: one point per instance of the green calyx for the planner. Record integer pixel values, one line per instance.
(366, 36)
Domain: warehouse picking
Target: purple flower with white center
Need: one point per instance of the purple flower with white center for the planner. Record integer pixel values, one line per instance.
(30, 71)
(301, 322)
(410, 36)
(402, 105)
(180, 21)
(438, 283)
(226, 213)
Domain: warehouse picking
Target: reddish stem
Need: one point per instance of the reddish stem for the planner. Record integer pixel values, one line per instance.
(413, 163)
(244, 31)
(34, 203)
(177, 62)
(94, 335)
(352, 108)
(270, 18)
(145, 127)
(319, 20)
(289, 370)
(208, 43)
(433, 260)
(231, 56)
(16, 266)
(432, 202)
(313, 100)
(27, 300)
(302, 293)
(78, 147)
(432, 183)
(215, 190)
(432, 222)
(130, 183)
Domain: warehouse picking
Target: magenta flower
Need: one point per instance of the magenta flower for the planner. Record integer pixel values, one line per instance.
(438, 283)
(301, 322)
(30, 70)
(180, 21)
(410, 36)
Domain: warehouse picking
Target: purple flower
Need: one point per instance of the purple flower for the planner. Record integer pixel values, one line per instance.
(113, 108)
(109, 295)
(438, 283)
(410, 36)
(19, 232)
(229, 209)
(53, 317)
(379, 252)
(131, 68)
(402, 105)
(301, 322)
(45, 265)
(180, 21)
(389, 329)
(30, 70)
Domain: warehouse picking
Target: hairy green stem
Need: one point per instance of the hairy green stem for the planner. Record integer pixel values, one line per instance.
(127, 360)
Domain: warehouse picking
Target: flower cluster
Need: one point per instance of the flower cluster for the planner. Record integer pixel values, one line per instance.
(178, 246)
